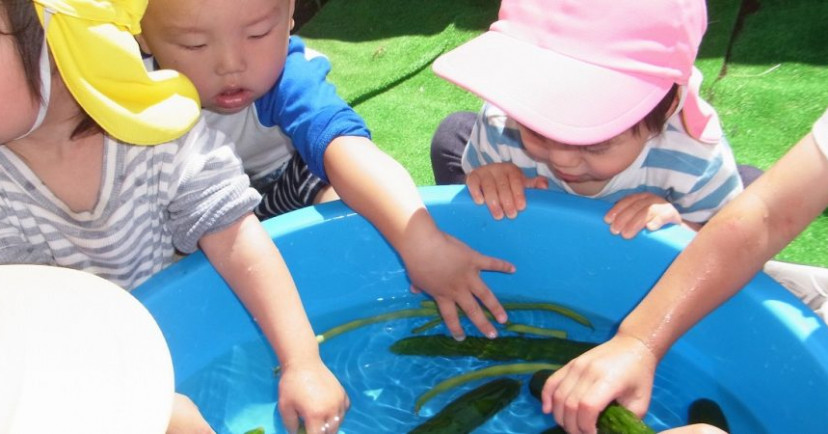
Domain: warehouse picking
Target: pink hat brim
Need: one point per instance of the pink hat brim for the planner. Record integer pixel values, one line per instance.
(562, 98)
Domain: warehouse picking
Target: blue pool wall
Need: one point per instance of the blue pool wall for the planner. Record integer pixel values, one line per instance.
(763, 344)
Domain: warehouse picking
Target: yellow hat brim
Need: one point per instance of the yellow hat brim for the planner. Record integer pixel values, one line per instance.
(101, 65)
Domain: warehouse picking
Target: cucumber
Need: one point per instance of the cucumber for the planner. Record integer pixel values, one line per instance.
(473, 408)
(552, 350)
(615, 419)
(707, 411)
(538, 380)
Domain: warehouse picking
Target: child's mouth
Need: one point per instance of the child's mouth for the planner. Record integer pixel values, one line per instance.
(233, 99)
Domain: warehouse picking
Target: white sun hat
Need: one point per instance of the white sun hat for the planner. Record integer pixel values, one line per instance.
(78, 354)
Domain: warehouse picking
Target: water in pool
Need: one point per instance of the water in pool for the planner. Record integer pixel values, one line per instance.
(237, 391)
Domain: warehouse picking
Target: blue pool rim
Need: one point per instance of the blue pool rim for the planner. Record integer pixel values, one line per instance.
(763, 344)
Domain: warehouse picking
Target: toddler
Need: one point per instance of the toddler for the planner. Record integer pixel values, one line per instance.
(76, 191)
(260, 86)
(596, 98)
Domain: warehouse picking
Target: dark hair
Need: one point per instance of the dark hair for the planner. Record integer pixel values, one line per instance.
(655, 120)
(27, 32)
(28, 39)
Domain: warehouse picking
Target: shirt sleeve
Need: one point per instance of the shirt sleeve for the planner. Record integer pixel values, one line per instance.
(482, 148)
(820, 133)
(306, 107)
(211, 190)
(716, 183)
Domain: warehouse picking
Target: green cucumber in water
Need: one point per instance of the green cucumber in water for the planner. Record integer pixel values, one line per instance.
(615, 419)
(473, 408)
(552, 350)
(704, 410)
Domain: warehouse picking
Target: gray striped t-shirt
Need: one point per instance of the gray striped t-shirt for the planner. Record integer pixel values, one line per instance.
(153, 201)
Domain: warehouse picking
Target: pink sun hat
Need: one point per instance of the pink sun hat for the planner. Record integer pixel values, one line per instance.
(583, 71)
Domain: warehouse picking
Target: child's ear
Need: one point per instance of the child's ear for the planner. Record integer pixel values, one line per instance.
(143, 44)
(292, 24)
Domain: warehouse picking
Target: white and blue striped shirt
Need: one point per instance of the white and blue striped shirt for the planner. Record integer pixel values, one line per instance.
(153, 201)
(697, 178)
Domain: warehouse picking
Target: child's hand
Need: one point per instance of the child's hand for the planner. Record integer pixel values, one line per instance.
(310, 392)
(635, 212)
(186, 419)
(622, 369)
(696, 428)
(449, 271)
(500, 186)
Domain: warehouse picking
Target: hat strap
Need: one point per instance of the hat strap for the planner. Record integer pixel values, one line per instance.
(45, 78)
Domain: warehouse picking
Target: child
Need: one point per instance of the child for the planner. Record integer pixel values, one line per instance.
(257, 84)
(595, 98)
(720, 260)
(73, 194)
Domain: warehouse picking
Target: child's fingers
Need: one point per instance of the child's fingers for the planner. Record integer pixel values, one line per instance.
(290, 419)
(490, 263)
(488, 185)
(448, 310)
(518, 194)
(473, 184)
(476, 315)
(487, 297)
(630, 220)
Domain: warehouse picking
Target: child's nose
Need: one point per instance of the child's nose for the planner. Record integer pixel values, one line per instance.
(230, 60)
(564, 156)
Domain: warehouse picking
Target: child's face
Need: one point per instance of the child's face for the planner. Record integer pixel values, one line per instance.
(19, 110)
(586, 165)
(232, 50)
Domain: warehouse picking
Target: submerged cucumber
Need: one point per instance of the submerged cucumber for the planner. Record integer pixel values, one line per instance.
(553, 350)
(707, 411)
(473, 408)
(615, 419)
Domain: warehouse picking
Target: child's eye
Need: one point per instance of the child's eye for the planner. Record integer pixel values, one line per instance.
(260, 35)
(194, 47)
(596, 149)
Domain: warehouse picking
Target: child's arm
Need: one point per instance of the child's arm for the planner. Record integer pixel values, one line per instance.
(251, 264)
(378, 188)
(501, 187)
(186, 419)
(643, 210)
(720, 260)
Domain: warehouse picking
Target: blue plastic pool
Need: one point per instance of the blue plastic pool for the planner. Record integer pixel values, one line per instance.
(763, 356)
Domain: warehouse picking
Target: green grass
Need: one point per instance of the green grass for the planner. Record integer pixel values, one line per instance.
(768, 83)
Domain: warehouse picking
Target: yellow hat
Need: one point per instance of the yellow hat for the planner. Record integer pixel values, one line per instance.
(93, 46)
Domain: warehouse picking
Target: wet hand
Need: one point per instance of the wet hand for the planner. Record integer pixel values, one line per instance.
(449, 271)
(310, 392)
(621, 370)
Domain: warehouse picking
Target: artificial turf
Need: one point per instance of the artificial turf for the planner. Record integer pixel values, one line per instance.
(764, 63)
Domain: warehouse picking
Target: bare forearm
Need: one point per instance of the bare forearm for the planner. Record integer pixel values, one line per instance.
(732, 247)
(252, 266)
(377, 187)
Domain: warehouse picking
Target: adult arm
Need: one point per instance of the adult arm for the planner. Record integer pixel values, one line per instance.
(719, 261)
